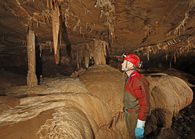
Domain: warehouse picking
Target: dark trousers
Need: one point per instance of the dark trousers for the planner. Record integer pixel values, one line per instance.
(131, 122)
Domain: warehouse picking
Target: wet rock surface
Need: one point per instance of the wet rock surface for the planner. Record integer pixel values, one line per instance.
(183, 124)
(89, 97)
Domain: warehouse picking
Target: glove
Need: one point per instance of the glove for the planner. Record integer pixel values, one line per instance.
(139, 133)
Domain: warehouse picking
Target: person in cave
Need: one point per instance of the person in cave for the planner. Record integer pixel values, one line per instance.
(136, 97)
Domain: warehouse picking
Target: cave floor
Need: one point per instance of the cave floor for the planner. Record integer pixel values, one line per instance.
(183, 125)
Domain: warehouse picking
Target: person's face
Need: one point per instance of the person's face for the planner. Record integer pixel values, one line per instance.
(123, 65)
(127, 65)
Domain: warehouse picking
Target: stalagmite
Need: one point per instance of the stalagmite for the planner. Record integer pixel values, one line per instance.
(96, 50)
(55, 29)
(31, 76)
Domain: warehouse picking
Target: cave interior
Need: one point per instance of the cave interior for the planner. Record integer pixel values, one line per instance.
(69, 36)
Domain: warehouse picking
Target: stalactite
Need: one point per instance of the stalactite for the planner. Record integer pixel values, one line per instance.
(55, 29)
(175, 58)
(46, 18)
(27, 27)
(81, 53)
(77, 25)
(96, 50)
(108, 10)
(37, 24)
(167, 55)
(51, 4)
(148, 53)
(47, 3)
(174, 40)
(170, 45)
(180, 51)
(77, 59)
(50, 44)
(57, 57)
(165, 47)
(87, 56)
(177, 53)
(154, 50)
(182, 24)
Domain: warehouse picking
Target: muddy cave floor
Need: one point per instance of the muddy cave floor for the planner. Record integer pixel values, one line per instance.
(183, 126)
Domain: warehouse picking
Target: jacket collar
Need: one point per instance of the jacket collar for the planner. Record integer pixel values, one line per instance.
(133, 74)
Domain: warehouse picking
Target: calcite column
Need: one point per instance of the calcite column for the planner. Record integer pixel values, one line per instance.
(31, 76)
(99, 52)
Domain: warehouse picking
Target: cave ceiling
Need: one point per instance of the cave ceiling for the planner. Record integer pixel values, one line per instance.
(128, 25)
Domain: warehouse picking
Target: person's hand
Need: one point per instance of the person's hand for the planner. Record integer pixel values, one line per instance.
(139, 133)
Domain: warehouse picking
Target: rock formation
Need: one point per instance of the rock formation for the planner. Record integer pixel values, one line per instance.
(163, 29)
(31, 76)
(91, 106)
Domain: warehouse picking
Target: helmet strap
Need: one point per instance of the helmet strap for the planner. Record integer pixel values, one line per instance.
(123, 74)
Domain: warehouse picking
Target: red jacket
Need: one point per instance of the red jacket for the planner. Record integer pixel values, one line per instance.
(137, 95)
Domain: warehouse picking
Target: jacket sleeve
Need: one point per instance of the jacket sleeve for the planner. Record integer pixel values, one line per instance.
(141, 93)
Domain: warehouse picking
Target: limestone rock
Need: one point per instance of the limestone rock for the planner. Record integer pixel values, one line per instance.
(91, 106)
